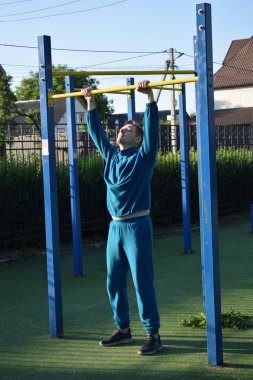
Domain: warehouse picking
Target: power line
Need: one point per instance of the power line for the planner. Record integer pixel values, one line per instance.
(96, 64)
(15, 2)
(67, 13)
(135, 67)
(119, 60)
(87, 50)
(221, 63)
(42, 9)
(19, 65)
(180, 54)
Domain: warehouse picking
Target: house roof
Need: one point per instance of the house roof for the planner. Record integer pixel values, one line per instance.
(237, 66)
(231, 116)
(123, 117)
(2, 71)
(59, 109)
(234, 116)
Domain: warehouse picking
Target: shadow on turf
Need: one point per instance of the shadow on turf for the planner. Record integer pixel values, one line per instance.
(179, 345)
(171, 347)
(238, 366)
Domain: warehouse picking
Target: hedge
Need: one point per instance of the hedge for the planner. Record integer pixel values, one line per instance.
(21, 195)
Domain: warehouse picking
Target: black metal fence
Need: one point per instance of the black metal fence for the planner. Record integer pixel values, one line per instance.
(23, 140)
(21, 169)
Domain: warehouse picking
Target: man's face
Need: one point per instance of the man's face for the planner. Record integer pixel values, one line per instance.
(127, 136)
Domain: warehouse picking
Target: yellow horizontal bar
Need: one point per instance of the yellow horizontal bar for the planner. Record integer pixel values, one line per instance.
(166, 88)
(128, 72)
(124, 88)
(128, 92)
(121, 92)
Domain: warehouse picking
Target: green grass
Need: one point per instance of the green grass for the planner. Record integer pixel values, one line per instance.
(27, 352)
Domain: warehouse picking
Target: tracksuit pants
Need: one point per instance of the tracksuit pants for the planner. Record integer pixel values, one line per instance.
(129, 245)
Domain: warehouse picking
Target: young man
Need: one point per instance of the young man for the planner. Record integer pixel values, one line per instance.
(128, 172)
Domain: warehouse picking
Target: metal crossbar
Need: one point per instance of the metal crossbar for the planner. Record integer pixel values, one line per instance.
(127, 72)
(125, 88)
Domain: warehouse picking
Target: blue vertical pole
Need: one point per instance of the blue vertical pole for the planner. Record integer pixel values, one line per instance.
(185, 170)
(195, 44)
(251, 218)
(131, 101)
(50, 188)
(73, 179)
(208, 184)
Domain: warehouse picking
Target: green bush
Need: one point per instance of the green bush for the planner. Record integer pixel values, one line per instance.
(22, 204)
(229, 320)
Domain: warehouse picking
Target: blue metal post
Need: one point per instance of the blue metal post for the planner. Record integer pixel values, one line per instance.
(50, 188)
(73, 179)
(131, 101)
(208, 184)
(185, 170)
(251, 218)
(195, 40)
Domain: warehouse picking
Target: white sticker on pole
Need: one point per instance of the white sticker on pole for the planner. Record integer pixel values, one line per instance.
(75, 155)
(45, 149)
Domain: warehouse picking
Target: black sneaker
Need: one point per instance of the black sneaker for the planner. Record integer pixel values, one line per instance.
(117, 338)
(151, 346)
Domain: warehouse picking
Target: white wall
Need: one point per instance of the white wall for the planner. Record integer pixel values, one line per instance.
(80, 116)
(233, 98)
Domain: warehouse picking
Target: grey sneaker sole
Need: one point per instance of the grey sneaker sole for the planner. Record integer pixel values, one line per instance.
(123, 341)
(151, 352)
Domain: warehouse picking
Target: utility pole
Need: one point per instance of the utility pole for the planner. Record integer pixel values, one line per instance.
(158, 93)
(172, 107)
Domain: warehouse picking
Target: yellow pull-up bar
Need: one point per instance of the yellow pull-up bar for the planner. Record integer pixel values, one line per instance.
(128, 92)
(124, 88)
(128, 72)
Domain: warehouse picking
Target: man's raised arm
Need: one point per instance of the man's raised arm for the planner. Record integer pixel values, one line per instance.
(151, 122)
(94, 125)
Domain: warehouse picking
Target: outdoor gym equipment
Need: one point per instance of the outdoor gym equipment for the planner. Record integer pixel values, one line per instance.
(206, 168)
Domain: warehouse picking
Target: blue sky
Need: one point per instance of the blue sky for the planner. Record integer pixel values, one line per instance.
(128, 25)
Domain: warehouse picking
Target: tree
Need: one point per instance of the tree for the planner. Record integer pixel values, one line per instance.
(31, 116)
(7, 98)
(29, 89)
(9, 110)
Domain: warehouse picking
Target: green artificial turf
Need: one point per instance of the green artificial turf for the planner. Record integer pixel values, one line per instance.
(27, 351)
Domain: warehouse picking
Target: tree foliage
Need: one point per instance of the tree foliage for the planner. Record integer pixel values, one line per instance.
(9, 110)
(7, 98)
(29, 89)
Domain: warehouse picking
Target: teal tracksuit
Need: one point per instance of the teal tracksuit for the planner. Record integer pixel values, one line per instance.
(127, 175)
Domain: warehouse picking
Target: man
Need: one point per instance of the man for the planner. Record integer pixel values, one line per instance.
(128, 171)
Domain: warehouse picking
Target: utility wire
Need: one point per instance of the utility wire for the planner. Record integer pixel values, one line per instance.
(220, 63)
(98, 64)
(41, 9)
(15, 2)
(87, 50)
(180, 54)
(20, 65)
(67, 13)
(119, 60)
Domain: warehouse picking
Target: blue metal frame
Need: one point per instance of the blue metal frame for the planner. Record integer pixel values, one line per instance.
(251, 218)
(195, 40)
(208, 184)
(73, 178)
(185, 170)
(50, 188)
(130, 101)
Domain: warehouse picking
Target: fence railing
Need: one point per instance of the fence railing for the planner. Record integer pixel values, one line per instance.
(21, 166)
(24, 142)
